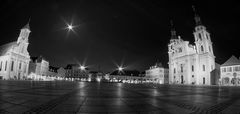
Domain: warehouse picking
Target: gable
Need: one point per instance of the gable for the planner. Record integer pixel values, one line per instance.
(231, 61)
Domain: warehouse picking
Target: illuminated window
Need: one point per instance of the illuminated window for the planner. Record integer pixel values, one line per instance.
(203, 67)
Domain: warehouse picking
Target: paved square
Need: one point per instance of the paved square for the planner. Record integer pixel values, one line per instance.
(61, 97)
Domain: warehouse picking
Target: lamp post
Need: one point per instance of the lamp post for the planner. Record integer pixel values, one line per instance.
(82, 68)
(120, 69)
(70, 27)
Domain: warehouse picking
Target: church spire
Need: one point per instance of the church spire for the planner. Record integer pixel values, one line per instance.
(27, 25)
(173, 31)
(196, 17)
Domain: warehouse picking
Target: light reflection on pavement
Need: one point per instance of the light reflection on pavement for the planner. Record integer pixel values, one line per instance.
(82, 97)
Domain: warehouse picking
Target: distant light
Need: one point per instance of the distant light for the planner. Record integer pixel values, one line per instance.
(82, 67)
(70, 27)
(120, 68)
(89, 79)
(98, 79)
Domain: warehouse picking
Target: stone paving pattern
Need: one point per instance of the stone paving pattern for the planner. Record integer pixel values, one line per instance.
(59, 97)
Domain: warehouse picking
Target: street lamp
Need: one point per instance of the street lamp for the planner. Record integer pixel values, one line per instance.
(82, 67)
(70, 27)
(120, 69)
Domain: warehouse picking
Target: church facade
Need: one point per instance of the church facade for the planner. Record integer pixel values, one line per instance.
(191, 64)
(14, 57)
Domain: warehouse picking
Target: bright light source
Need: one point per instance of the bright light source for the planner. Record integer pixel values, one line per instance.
(89, 79)
(120, 68)
(98, 79)
(82, 67)
(70, 27)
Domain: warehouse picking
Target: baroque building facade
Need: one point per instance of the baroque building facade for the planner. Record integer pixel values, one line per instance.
(191, 64)
(230, 72)
(74, 71)
(158, 74)
(39, 66)
(14, 57)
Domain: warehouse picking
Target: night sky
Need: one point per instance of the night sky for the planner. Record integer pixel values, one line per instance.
(134, 33)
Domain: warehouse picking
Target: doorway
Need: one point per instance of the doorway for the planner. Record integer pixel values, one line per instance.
(182, 79)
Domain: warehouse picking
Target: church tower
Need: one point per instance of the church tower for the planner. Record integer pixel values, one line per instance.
(23, 39)
(24, 34)
(204, 50)
(202, 37)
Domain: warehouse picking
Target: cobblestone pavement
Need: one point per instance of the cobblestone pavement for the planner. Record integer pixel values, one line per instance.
(117, 98)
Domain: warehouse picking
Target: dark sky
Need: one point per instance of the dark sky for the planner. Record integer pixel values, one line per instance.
(132, 32)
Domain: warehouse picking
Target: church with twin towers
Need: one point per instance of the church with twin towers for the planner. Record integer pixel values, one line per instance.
(191, 63)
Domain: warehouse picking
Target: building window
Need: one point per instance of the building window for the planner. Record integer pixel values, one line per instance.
(202, 48)
(12, 66)
(223, 69)
(200, 37)
(20, 65)
(25, 69)
(1, 66)
(192, 76)
(174, 77)
(229, 69)
(236, 68)
(204, 80)
(174, 71)
(181, 68)
(203, 67)
(182, 80)
(6, 66)
(180, 50)
(192, 68)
